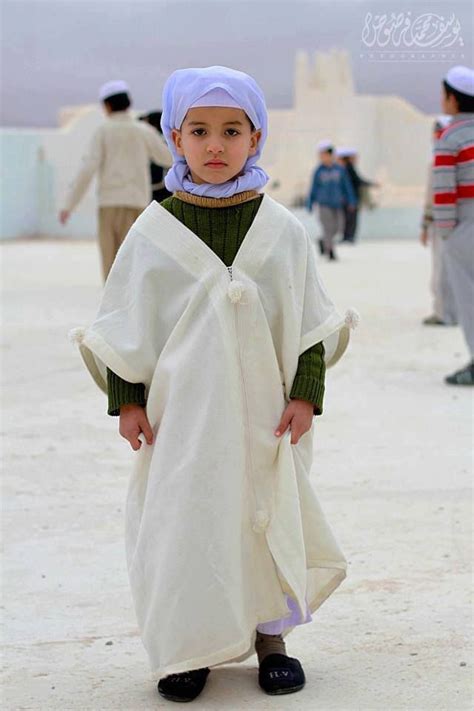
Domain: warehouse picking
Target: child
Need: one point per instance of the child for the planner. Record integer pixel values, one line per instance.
(210, 337)
(453, 203)
(120, 154)
(157, 172)
(331, 189)
(443, 304)
(348, 159)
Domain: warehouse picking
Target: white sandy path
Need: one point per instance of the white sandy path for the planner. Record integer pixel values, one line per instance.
(392, 470)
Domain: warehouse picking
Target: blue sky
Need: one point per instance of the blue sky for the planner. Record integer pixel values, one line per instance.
(57, 52)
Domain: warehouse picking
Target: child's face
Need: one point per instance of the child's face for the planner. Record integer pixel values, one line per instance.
(449, 105)
(326, 158)
(216, 142)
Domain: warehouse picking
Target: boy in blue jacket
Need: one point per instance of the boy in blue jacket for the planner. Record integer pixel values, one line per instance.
(331, 190)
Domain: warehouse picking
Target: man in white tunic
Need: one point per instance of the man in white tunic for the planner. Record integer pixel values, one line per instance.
(224, 532)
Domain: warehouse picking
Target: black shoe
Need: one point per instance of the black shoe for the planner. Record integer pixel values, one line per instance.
(433, 321)
(183, 687)
(332, 256)
(462, 377)
(321, 246)
(279, 674)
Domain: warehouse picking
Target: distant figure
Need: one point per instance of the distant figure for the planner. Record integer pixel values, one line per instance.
(443, 299)
(453, 202)
(157, 172)
(348, 159)
(120, 153)
(331, 189)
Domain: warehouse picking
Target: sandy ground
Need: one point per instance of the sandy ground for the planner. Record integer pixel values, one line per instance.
(392, 470)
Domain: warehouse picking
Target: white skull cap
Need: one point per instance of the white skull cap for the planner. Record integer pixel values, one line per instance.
(462, 79)
(111, 88)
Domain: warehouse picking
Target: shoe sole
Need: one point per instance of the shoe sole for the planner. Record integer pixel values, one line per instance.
(179, 699)
(281, 692)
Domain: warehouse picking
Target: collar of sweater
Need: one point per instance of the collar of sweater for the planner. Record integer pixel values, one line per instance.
(200, 201)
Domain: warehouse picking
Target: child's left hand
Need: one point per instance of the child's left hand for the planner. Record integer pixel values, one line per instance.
(298, 416)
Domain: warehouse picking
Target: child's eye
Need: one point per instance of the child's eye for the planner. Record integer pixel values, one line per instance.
(199, 132)
(232, 132)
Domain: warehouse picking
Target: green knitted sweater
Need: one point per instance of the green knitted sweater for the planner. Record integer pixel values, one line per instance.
(223, 227)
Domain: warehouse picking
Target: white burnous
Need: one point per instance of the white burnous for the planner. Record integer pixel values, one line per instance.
(222, 522)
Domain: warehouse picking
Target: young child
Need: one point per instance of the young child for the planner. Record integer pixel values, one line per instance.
(332, 191)
(347, 158)
(211, 341)
(444, 312)
(157, 172)
(453, 203)
(119, 154)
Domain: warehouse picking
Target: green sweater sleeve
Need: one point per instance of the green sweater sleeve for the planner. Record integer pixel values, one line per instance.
(120, 392)
(309, 379)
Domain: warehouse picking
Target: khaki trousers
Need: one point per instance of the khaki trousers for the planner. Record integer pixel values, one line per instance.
(114, 223)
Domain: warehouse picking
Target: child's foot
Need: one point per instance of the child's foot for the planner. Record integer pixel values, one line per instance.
(279, 674)
(185, 686)
(433, 321)
(462, 377)
(321, 246)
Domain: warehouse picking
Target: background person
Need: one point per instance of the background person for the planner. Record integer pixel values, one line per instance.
(443, 299)
(119, 154)
(331, 190)
(348, 160)
(453, 202)
(157, 172)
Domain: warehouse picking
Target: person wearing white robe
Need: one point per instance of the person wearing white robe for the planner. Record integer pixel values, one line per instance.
(224, 530)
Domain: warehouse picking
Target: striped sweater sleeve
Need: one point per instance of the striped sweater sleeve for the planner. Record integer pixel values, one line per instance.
(453, 174)
(444, 185)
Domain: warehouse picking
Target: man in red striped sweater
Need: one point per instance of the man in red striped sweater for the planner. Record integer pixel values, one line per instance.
(453, 202)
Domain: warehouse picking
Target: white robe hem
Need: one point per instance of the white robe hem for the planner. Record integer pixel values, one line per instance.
(244, 650)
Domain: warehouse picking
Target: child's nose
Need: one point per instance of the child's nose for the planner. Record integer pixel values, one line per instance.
(215, 147)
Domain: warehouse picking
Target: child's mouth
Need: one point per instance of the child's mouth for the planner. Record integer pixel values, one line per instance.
(215, 164)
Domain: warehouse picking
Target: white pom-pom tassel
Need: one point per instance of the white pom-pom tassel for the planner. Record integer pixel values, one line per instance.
(352, 318)
(261, 521)
(235, 291)
(76, 335)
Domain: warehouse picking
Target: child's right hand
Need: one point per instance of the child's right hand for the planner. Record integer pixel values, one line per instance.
(133, 421)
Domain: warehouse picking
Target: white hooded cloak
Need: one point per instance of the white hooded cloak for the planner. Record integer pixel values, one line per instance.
(221, 518)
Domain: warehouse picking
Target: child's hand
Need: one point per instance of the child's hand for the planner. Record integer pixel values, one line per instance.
(424, 237)
(133, 421)
(64, 216)
(298, 415)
